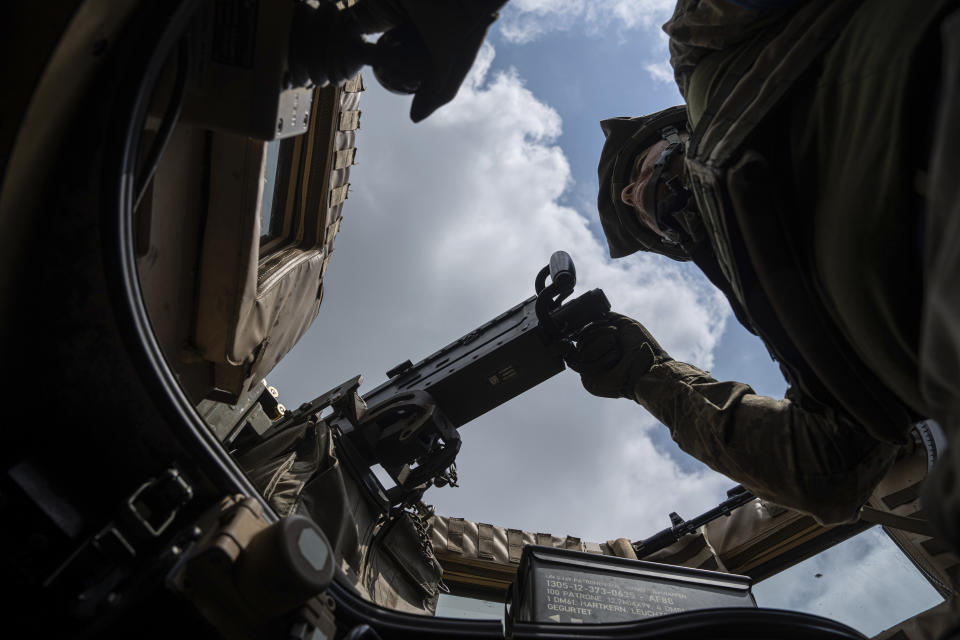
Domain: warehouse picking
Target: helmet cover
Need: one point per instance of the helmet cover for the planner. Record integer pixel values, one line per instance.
(625, 138)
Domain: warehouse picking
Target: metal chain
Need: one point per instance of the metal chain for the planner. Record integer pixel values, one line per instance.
(420, 515)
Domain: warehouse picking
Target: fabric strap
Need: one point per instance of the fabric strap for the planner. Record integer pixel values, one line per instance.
(887, 519)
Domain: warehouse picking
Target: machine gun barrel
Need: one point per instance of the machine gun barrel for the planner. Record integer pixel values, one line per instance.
(737, 497)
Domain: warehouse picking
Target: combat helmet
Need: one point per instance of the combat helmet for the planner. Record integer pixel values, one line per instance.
(625, 138)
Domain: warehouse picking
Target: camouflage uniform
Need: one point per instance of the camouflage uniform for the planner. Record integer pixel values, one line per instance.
(810, 135)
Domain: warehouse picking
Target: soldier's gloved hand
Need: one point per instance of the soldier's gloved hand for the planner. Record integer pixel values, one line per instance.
(613, 354)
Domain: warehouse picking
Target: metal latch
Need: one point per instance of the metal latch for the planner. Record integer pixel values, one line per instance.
(155, 504)
(108, 557)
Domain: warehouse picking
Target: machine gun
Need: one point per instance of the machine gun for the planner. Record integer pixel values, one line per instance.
(408, 425)
(736, 497)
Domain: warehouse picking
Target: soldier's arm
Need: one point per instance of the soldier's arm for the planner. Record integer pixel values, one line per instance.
(813, 461)
(701, 27)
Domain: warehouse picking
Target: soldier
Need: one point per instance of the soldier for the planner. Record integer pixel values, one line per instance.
(811, 175)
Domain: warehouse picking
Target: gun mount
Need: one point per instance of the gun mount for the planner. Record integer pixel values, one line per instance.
(408, 425)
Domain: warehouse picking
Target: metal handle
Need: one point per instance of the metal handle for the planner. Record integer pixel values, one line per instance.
(562, 270)
(563, 278)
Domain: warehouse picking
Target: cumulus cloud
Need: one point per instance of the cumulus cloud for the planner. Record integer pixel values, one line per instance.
(447, 224)
(526, 20)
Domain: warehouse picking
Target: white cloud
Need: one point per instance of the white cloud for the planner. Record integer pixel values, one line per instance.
(525, 20)
(447, 224)
(660, 71)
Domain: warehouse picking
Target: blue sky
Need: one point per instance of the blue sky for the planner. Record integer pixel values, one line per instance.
(447, 223)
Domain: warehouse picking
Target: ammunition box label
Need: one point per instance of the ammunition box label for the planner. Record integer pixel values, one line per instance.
(568, 596)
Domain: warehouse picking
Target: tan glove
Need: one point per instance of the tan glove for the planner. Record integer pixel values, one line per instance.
(613, 354)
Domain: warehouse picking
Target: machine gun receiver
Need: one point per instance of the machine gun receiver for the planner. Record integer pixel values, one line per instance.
(408, 425)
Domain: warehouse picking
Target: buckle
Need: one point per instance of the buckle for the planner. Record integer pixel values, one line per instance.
(156, 502)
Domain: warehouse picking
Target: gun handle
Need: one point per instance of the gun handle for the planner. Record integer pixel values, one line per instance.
(562, 270)
(563, 277)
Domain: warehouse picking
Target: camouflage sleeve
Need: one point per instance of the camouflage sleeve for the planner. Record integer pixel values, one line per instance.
(701, 27)
(811, 462)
